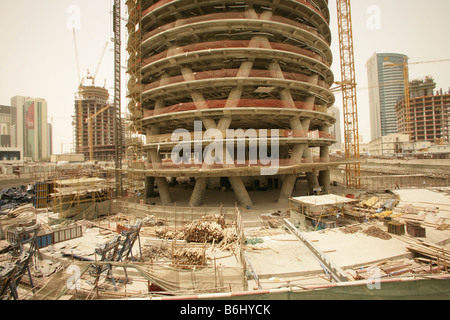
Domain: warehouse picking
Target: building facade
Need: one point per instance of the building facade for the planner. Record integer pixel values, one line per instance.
(429, 113)
(261, 68)
(30, 128)
(389, 146)
(8, 151)
(94, 124)
(386, 80)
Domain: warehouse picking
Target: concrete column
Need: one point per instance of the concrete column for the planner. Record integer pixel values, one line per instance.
(297, 155)
(149, 187)
(311, 177)
(240, 191)
(163, 185)
(286, 189)
(198, 194)
(289, 181)
(325, 175)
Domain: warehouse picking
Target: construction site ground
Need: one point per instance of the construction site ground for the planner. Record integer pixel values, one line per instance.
(275, 257)
(278, 258)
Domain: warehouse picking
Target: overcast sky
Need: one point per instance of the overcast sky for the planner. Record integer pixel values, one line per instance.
(37, 55)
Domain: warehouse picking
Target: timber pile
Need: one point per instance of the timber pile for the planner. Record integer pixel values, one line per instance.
(155, 252)
(217, 218)
(389, 269)
(439, 255)
(230, 237)
(166, 233)
(377, 233)
(209, 228)
(203, 231)
(188, 258)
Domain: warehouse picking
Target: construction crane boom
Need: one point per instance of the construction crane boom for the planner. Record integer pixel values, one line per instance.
(117, 95)
(348, 84)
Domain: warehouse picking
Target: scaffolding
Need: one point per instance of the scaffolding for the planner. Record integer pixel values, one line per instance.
(134, 139)
(79, 194)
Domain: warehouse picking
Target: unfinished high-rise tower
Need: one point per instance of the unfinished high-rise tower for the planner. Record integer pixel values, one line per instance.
(246, 83)
(94, 124)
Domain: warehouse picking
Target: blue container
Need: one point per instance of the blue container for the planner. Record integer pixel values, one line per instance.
(44, 240)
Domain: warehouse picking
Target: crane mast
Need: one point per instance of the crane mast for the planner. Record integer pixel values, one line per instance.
(117, 96)
(348, 84)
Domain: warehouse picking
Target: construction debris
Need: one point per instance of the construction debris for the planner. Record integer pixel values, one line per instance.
(377, 232)
(188, 258)
(12, 198)
(439, 255)
(351, 229)
(203, 231)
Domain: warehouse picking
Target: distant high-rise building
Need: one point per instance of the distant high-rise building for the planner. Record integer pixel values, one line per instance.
(92, 103)
(429, 113)
(386, 79)
(30, 127)
(5, 127)
(7, 140)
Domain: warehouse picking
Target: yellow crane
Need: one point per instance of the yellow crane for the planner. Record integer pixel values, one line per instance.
(91, 131)
(348, 86)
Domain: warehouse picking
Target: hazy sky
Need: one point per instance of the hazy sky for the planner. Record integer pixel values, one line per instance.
(37, 55)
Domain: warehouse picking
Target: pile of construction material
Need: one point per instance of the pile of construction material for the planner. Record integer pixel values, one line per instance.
(208, 229)
(351, 229)
(436, 255)
(154, 252)
(188, 258)
(393, 268)
(377, 233)
(12, 198)
(203, 231)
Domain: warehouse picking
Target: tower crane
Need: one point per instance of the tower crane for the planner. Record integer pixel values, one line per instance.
(348, 85)
(92, 77)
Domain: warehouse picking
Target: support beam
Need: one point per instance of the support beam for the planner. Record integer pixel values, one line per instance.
(198, 194)
(325, 176)
(149, 187)
(162, 184)
(338, 274)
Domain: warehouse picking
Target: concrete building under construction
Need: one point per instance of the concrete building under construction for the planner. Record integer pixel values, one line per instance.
(259, 67)
(94, 124)
(429, 113)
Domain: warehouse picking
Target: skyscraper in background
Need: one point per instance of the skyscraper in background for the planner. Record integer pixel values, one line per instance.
(386, 79)
(30, 127)
(335, 129)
